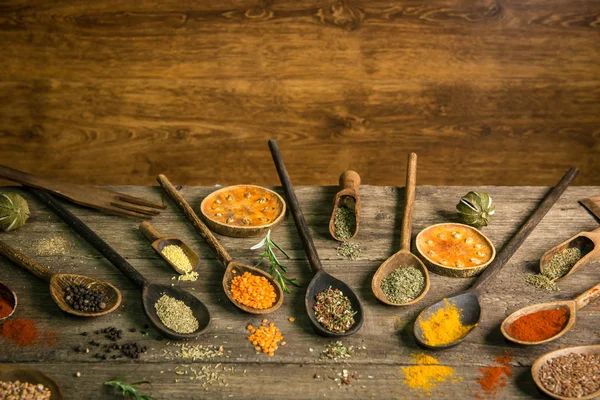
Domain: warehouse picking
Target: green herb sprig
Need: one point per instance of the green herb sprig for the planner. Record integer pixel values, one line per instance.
(277, 270)
(128, 389)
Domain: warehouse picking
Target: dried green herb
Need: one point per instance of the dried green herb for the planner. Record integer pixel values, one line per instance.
(344, 222)
(337, 350)
(334, 310)
(277, 270)
(562, 262)
(128, 389)
(350, 250)
(541, 282)
(403, 285)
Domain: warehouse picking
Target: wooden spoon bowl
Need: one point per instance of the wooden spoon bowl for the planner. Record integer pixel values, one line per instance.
(60, 282)
(347, 197)
(587, 242)
(240, 269)
(10, 297)
(159, 242)
(537, 365)
(10, 373)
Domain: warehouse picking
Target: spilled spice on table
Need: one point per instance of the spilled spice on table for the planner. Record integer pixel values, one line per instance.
(540, 325)
(266, 337)
(336, 351)
(444, 326)
(495, 377)
(24, 332)
(427, 374)
(349, 250)
(557, 267)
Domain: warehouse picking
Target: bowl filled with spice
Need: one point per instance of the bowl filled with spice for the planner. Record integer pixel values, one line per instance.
(27, 383)
(243, 210)
(455, 250)
(8, 301)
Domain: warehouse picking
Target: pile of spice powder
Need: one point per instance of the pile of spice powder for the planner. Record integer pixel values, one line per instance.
(540, 325)
(573, 375)
(444, 326)
(266, 337)
(427, 374)
(334, 311)
(176, 315)
(349, 250)
(494, 377)
(557, 267)
(5, 308)
(344, 222)
(22, 332)
(253, 291)
(403, 285)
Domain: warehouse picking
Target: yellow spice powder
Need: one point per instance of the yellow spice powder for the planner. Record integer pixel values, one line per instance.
(444, 326)
(427, 374)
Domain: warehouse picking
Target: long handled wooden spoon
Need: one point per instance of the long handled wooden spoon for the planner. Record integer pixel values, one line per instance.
(537, 365)
(572, 306)
(232, 267)
(10, 297)
(11, 373)
(159, 242)
(587, 242)
(322, 280)
(347, 197)
(468, 302)
(404, 258)
(151, 292)
(60, 282)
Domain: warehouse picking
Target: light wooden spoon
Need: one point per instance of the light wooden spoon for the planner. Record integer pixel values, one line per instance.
(571, 305)
(587, 242)
(159, 242)
(537, 365)
(346, 197)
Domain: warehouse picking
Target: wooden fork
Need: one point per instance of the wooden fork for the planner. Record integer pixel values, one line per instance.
(101, 199)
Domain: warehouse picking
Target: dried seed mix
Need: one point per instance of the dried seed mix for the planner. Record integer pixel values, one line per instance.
(17, 390)
(253, 291)
(176, 255)
(333, 310)
(403, 285)
(176, 315)
(573, 375)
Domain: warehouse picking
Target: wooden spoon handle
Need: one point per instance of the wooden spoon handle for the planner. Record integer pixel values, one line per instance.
(350, 180)
(411, 184)
(519, 237)
(301, 225)
(90, 236)
(588, 296)
(202, 229)
(25, 262)
(150, 232)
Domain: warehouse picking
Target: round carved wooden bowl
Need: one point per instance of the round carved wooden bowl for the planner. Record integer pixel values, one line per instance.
(243, 210)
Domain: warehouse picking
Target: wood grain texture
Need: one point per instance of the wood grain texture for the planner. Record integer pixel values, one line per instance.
(486, 92)
(386, 334)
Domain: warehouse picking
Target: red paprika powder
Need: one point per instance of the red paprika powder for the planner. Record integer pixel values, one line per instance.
(21, 331)
(495, 377)
(540, 325)
(5, 308)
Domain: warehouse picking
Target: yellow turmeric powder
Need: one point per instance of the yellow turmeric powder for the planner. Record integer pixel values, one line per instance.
(427, 374)
(444, 326)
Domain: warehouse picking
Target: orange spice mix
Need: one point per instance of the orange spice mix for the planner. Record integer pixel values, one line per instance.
(265, 337)
(253, 291)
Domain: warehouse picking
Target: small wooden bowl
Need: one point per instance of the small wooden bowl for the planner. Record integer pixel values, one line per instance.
(450, 271)
(9, 373)
(242, 202)
(10, 297)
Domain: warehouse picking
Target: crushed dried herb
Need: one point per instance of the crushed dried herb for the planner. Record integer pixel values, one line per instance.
(349, 250)
(403, 285)
(562, 262)
(344, 222)
(333, 310)
(176, 315)
(337, 350)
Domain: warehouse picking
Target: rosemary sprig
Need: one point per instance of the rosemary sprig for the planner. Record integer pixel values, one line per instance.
(128, 389)
(277, 269)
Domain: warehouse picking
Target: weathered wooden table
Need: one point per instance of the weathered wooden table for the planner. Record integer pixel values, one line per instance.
(382, 347)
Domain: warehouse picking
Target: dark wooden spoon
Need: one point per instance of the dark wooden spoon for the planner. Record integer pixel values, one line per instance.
(468, 302)
(10, 297)
(60, 282)
(347, 197)
(11, 373)
(404, 258)
(571, 305)
(587, 242)
(232, 267)
(159, 242)
(151, 292)
(322, 280)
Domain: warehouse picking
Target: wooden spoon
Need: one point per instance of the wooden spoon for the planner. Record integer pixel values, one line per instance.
(587, 242)
(159, 242)
(10, 297)
(11, 373)
(571, 305)
(233, 268)
(468, 302)
(151, 292)
(322, 280)
(537, 365)
(347, 197)
(60, 282)
(404, 258)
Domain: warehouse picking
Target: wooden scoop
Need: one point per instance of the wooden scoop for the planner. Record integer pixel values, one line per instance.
(571, 305)
(322, 280)
(587, 242)
(233, 268)
(11, 373)
(10, 297)
(468, 302)
(347, 197)
(151, 292)
(159, 242)
(537, 365)
(60, 282)
(404, 258)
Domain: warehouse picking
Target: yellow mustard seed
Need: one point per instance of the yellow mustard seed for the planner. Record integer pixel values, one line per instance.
(177, 256)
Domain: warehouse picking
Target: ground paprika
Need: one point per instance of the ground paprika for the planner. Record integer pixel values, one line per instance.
(540, 325)
(5, 308)
(20, 331)
(494, 377)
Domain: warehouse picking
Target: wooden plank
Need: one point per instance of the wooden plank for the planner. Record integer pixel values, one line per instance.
(386, 335)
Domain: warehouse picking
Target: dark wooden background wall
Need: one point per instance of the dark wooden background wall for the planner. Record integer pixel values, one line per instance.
(503, 92)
